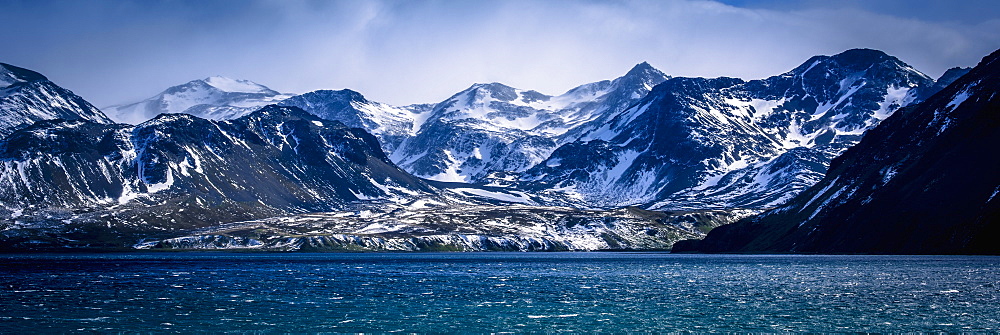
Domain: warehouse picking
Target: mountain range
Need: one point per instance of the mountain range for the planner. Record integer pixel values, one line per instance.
(725, 142)
(925, 181)
(693, 143)
(225, 163)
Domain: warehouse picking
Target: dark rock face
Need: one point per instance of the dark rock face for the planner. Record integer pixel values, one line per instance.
(924, 181)
(725, 142)
(949, 76)
(27, 97)
(391, 125)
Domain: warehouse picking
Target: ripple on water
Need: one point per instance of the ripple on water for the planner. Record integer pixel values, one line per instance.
(581, 292)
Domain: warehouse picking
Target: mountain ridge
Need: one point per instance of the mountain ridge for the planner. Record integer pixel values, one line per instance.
(918, 183)
(493, 127)
(668, 144)
(215, 97)
(27, 97)
(690, 125)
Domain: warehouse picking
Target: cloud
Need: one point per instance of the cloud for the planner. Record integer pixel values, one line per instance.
(409, 52)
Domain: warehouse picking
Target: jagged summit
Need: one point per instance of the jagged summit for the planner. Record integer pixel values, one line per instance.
(643, 69)
(637, 81)
(640, 79)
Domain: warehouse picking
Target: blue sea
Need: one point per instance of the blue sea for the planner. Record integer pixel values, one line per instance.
(496, 292)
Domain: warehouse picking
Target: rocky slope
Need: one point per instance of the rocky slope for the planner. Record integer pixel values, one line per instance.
(390, 124)
(27, 97)
(726, 142)
(924, 181)
(494, 128)
(179, 171)
(507, 166)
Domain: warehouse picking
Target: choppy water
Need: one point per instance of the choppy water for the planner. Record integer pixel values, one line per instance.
(496, 292)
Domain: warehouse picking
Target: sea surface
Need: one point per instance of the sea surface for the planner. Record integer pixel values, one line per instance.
(496, 292)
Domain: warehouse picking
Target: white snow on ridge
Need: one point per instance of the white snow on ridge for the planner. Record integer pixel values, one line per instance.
(235, 85)
(959, 98)
(210, 98)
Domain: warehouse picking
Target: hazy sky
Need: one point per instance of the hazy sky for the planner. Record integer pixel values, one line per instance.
(404, 52)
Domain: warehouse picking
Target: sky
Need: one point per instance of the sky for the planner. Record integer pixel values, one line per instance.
(404, 52)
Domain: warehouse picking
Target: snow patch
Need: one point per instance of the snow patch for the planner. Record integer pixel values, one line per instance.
(235, 85)
(895, 97)
(154, 188)
(516, 198)
(450, 173)
(888, 173)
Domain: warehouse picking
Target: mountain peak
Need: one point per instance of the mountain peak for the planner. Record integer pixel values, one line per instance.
(952, 74)
(494, 86)
(856, 60)
(496, 90)
(350, 94)
(645, 70)
(235, 85)
(863, 57)
(641, 67)
(338, 95)
(10, 75)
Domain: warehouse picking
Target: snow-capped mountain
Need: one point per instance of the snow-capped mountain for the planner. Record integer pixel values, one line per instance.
(726, 142)
(926, 180)
(491, 128)
(27, 97)
(178, 170)
(390, 124)
(215, 98)
(677, 144)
